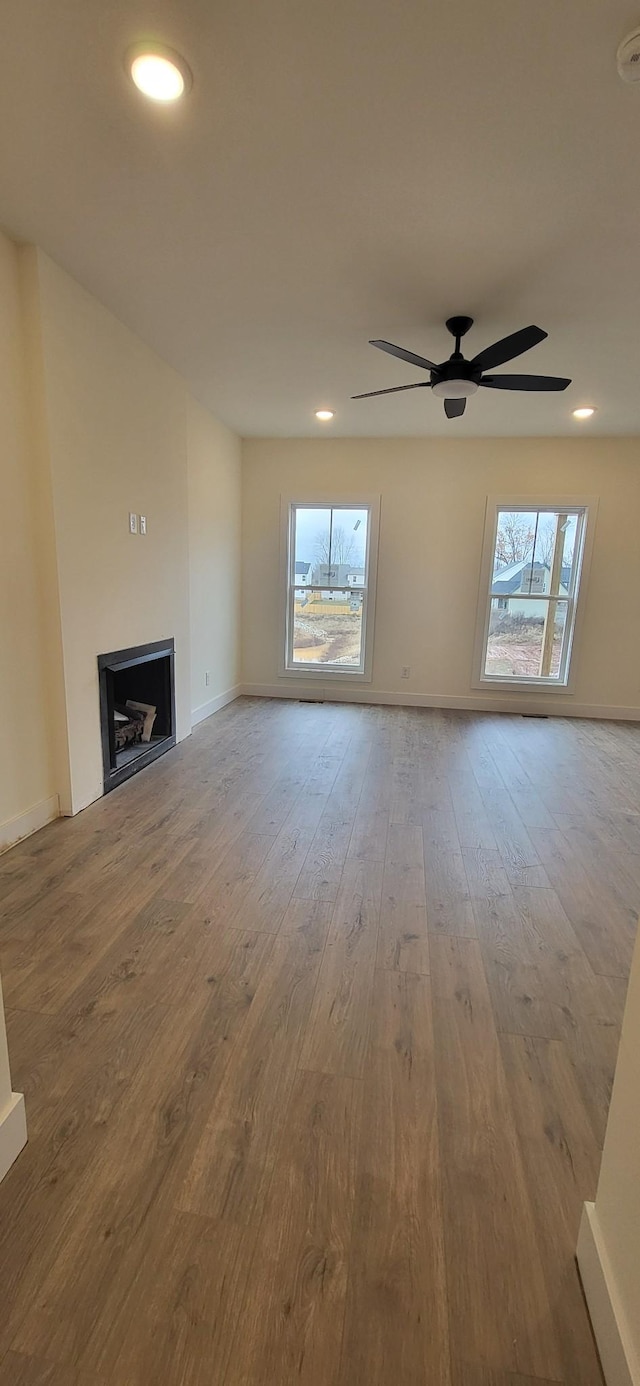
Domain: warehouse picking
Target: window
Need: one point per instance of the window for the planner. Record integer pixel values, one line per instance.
(530, 583)
(330, 572)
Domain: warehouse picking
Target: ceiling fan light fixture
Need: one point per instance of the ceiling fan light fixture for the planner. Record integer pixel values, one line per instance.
(455, 380)
(455, 389)
(585, 412)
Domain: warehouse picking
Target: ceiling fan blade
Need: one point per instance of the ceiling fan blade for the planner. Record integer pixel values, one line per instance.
(409, 356)
(418, 385)
(454, 408)
(508, 347)
(525, 382)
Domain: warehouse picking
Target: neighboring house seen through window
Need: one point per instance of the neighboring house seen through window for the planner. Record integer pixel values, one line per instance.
(528, 614)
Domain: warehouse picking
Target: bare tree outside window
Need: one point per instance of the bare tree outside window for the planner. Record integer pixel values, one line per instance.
(546, 541)
(514, 540)
(339, 547)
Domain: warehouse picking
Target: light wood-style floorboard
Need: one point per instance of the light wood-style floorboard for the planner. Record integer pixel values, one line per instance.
(316, 1021)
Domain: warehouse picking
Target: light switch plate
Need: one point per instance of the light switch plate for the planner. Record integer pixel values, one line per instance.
(133, 523)
(143, 524)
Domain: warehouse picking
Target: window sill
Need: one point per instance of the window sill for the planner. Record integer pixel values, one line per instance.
(320, 673)
(527, 685)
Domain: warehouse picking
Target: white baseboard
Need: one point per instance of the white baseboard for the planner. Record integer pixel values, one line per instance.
(475, 702)
(26, 823)
(13, 1132)
(619, 1361)
(200, 714)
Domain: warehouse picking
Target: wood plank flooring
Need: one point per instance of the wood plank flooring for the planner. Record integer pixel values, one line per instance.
(316, 1021)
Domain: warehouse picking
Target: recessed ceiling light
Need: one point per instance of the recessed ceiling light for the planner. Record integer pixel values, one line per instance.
(584, 413)
(324, 415)
(158, 72)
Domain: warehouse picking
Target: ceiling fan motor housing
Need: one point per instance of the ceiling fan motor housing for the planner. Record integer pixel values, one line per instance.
(456, 379)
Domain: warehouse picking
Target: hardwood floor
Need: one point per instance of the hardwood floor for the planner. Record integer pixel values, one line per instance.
(316, 1021)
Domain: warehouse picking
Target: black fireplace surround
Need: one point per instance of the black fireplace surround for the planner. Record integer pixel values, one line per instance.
(144, 674)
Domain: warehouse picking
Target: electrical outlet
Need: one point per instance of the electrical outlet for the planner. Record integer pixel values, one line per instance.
(133, 523)
(143, 524)
(405, 671)
(207, 678)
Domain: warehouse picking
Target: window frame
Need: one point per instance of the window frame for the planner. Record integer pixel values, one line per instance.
(574, 602)
(320, 673)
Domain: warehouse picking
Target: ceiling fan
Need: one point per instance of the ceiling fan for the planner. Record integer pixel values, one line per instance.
(454, 380)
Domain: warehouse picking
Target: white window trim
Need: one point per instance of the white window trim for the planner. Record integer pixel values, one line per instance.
(322, 673)
(555, 504)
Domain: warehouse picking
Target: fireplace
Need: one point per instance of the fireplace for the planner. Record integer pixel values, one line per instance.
(137, 708)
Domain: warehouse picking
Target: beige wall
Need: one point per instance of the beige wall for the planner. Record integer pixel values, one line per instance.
(115, 417)
(618, 1198)
(609, 1247)
(214, 557)
(433, 503)
(26, 775)
(94, 425)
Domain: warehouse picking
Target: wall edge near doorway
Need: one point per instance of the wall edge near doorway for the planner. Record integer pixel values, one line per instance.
(13, 1132)
(607, 1318)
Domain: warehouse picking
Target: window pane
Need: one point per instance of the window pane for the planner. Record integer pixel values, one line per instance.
(561, 529)
(312, 530)
(516, 645)
(339, 548)
(327, 627)
(513, 568)
(559, 631)
(524, 552)
(570, 551)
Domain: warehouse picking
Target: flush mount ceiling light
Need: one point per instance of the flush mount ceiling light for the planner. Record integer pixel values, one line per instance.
(455, 389)
(584, 413)
(628, 57)
(158, 72)
(324, 415)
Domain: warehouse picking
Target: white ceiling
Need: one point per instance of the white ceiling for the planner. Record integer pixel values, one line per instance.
(342, 169)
